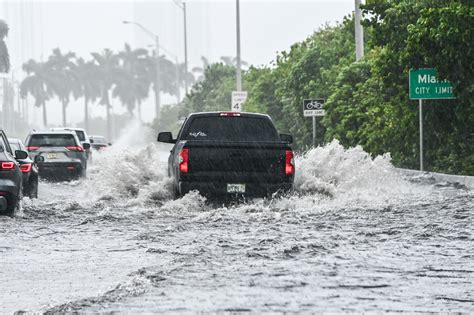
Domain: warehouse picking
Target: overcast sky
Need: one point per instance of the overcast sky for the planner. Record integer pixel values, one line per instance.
(37, 27)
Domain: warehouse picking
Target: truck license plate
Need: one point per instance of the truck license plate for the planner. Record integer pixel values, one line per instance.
(235, 188)
(52, 155)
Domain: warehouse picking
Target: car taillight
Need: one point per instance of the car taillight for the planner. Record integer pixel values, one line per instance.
(75, 148)
(26, 168)
(289, 163)
(32, 148)
(184, 160)
(7, 166)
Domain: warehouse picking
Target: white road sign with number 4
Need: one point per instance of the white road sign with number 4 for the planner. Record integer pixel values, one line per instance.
(238, 99)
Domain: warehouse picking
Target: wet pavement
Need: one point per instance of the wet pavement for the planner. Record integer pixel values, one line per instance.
(355, 236)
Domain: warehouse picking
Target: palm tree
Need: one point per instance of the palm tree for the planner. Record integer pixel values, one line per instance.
(4, 68)
(86, 75)
(62, 81)
(107, 69)
(4, 56)
(132, 81)
(180, 69)
(232, 61)
(36, 84)
(201, 71)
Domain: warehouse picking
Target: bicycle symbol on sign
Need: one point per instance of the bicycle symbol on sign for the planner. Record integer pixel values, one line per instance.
(314, 105)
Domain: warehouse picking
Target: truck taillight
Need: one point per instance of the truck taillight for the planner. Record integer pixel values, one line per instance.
(289, 163)
(32, 148)
(7, 166)
(26, 168)
(184, 160)
(231, 114)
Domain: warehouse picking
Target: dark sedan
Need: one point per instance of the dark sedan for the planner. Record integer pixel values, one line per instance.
(29, 169)
(11, 178)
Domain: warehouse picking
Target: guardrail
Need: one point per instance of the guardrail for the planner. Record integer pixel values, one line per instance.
(467, 181)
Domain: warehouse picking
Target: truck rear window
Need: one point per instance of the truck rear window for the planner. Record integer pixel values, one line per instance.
(231, 129)
(52, 140)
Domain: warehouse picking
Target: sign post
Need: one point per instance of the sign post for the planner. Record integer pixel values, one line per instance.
(238, 99)
(420, 109)
(424, 84)
(313, 108)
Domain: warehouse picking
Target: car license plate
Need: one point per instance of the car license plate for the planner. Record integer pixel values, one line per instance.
(52, 155)
(235, 188)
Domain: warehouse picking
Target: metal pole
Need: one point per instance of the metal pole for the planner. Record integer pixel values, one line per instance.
(239, 72)
(314, 131)
(178, 94)
(421, 133)
(157, 83)
(359, 32)
(185, 50)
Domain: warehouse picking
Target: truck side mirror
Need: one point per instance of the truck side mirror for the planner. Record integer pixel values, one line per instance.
(86, 145)
(166, 137)
(286, 138)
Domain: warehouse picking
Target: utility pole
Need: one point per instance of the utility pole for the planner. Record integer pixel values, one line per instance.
(157, 82)
(359, 32)
(178, 93)
(239, 71)
(185, 50)
(182, 6)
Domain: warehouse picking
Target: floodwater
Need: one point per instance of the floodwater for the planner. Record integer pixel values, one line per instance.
(355, 236)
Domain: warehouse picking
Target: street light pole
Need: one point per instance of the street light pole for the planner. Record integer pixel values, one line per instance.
(182, 6)
(359, 33)
(185, 50)
(157, 79)
(239, 71)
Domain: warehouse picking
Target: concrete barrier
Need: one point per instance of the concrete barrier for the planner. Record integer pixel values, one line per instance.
(467, 181)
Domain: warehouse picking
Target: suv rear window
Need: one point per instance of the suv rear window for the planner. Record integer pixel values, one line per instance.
(80, 134)
(52, 140)
(218, 128)
(99, 140)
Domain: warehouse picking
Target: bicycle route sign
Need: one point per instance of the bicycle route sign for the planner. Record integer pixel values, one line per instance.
(313, 107)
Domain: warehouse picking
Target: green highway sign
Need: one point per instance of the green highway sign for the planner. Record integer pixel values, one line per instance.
(424, 84)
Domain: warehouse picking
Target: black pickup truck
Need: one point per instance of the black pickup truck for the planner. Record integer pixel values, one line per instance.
(228, 154)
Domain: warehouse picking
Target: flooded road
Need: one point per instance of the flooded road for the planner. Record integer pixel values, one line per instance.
(356, 236)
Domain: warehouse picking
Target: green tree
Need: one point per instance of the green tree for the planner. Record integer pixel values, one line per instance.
(201, 70)
(434, 34)
(214, 92)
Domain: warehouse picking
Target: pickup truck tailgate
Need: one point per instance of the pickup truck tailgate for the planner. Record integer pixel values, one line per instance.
(265, 158)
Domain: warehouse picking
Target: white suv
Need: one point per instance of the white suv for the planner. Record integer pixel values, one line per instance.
(81, 134)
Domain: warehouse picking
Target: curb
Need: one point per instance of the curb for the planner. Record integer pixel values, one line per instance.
(467, 181)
